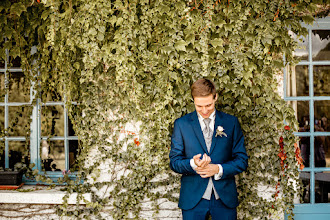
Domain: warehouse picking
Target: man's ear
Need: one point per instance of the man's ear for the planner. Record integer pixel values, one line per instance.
(216, 97)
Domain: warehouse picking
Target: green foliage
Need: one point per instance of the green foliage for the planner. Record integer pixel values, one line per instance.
(134, 61)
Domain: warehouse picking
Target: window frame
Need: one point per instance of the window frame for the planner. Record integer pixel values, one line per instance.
(35, 128)
(319, 24)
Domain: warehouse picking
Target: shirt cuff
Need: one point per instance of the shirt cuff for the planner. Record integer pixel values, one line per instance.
(219, 175)
(192, 164)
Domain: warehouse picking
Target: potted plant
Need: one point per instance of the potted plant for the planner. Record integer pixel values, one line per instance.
(12, 176)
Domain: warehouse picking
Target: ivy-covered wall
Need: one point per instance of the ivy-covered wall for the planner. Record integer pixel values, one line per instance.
(130, 64)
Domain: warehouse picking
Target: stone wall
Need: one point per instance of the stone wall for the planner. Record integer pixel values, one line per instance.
(28, 211)
(168, 211)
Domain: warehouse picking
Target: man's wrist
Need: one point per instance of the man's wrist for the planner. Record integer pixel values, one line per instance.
(218, 175)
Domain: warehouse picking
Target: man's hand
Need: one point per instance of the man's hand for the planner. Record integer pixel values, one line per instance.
(202, 162)
(208, 171)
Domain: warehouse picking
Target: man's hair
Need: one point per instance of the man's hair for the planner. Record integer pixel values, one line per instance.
(202, 88)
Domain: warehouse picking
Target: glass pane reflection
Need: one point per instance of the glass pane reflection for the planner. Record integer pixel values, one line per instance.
(297, 81)
(52, 122)
(2, 155)
(70, 128)
(302, 50)
(2, 63)
(2, 87)
(301, 109)
(322, 151)
(53, 93)
(321, 76)
(322, 187)
(2, 120)
(53, 155)
(305, 178)
(19, 120)
(320, 44)
(18, 153)
(322, 115)
(304, 144)
(73, 152)
(19, 88)
(16, 62)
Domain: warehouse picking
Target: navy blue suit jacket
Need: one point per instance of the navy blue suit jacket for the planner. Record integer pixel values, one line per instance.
(230, 152)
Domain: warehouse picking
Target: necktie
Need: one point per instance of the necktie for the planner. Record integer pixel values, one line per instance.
(207, 133)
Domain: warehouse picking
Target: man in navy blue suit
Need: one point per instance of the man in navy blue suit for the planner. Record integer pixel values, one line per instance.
(208, 150)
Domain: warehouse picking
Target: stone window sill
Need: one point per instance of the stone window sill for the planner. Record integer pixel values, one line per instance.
(38, 195)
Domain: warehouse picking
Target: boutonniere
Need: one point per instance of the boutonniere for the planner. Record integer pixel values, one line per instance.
(220, 132)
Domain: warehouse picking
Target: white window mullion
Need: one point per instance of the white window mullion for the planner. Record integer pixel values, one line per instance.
(6, 111)
(35, 130)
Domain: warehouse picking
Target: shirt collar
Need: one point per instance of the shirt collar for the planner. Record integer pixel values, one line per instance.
(212, 116)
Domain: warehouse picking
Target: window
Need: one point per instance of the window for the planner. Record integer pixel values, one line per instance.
(38, 132)
(307, 89)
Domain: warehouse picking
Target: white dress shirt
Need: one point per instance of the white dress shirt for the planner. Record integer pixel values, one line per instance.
(202, 124)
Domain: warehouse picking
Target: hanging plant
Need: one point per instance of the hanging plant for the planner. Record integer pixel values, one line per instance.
(129, 65)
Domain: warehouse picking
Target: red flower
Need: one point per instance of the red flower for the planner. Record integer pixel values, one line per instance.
(299, 159)
(281, 140)
(287, 128)
(136, 141)
(282, 156)
(302, 166)
(281, 143)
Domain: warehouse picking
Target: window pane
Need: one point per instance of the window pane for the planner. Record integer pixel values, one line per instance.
(2, 63)
(16, 62)
(19, 87)
(53, 92)
(2, 87)
(74, 111)
(2, 154)
(302, 50)
(297, 81)
(53, 155)
(304, 144)
(320, 42)
(321, 151)
(71, 131)
(19, 120)
(52, 122)
(305, 178)
(301, 109)
(321, 115)
(2, 119)
(322, 187)
(321, 76)
(18, 153)
(73, 151)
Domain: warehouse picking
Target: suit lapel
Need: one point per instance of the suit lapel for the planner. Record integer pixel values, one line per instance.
(216, 124)
(197, 129)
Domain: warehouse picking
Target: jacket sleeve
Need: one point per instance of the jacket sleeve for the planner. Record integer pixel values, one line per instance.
(179, 163)
(239, 161)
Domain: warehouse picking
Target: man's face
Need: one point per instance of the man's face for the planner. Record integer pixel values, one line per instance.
(205, 105)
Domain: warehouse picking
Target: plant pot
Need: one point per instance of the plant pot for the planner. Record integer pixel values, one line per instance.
(11, 177)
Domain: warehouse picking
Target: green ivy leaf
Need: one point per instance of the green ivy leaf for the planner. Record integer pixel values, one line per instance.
(217, 42)
(17, 8)
(308, 19)
(134, 62)
(180, 45)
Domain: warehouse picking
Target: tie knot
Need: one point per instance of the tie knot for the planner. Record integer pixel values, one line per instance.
(207, 121)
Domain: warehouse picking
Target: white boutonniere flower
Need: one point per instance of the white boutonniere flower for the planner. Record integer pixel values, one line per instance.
(220, 132)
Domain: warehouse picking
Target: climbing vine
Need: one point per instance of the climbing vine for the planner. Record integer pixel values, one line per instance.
(125, 70)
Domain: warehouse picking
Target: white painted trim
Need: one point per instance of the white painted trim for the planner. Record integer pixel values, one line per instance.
(42, 195)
